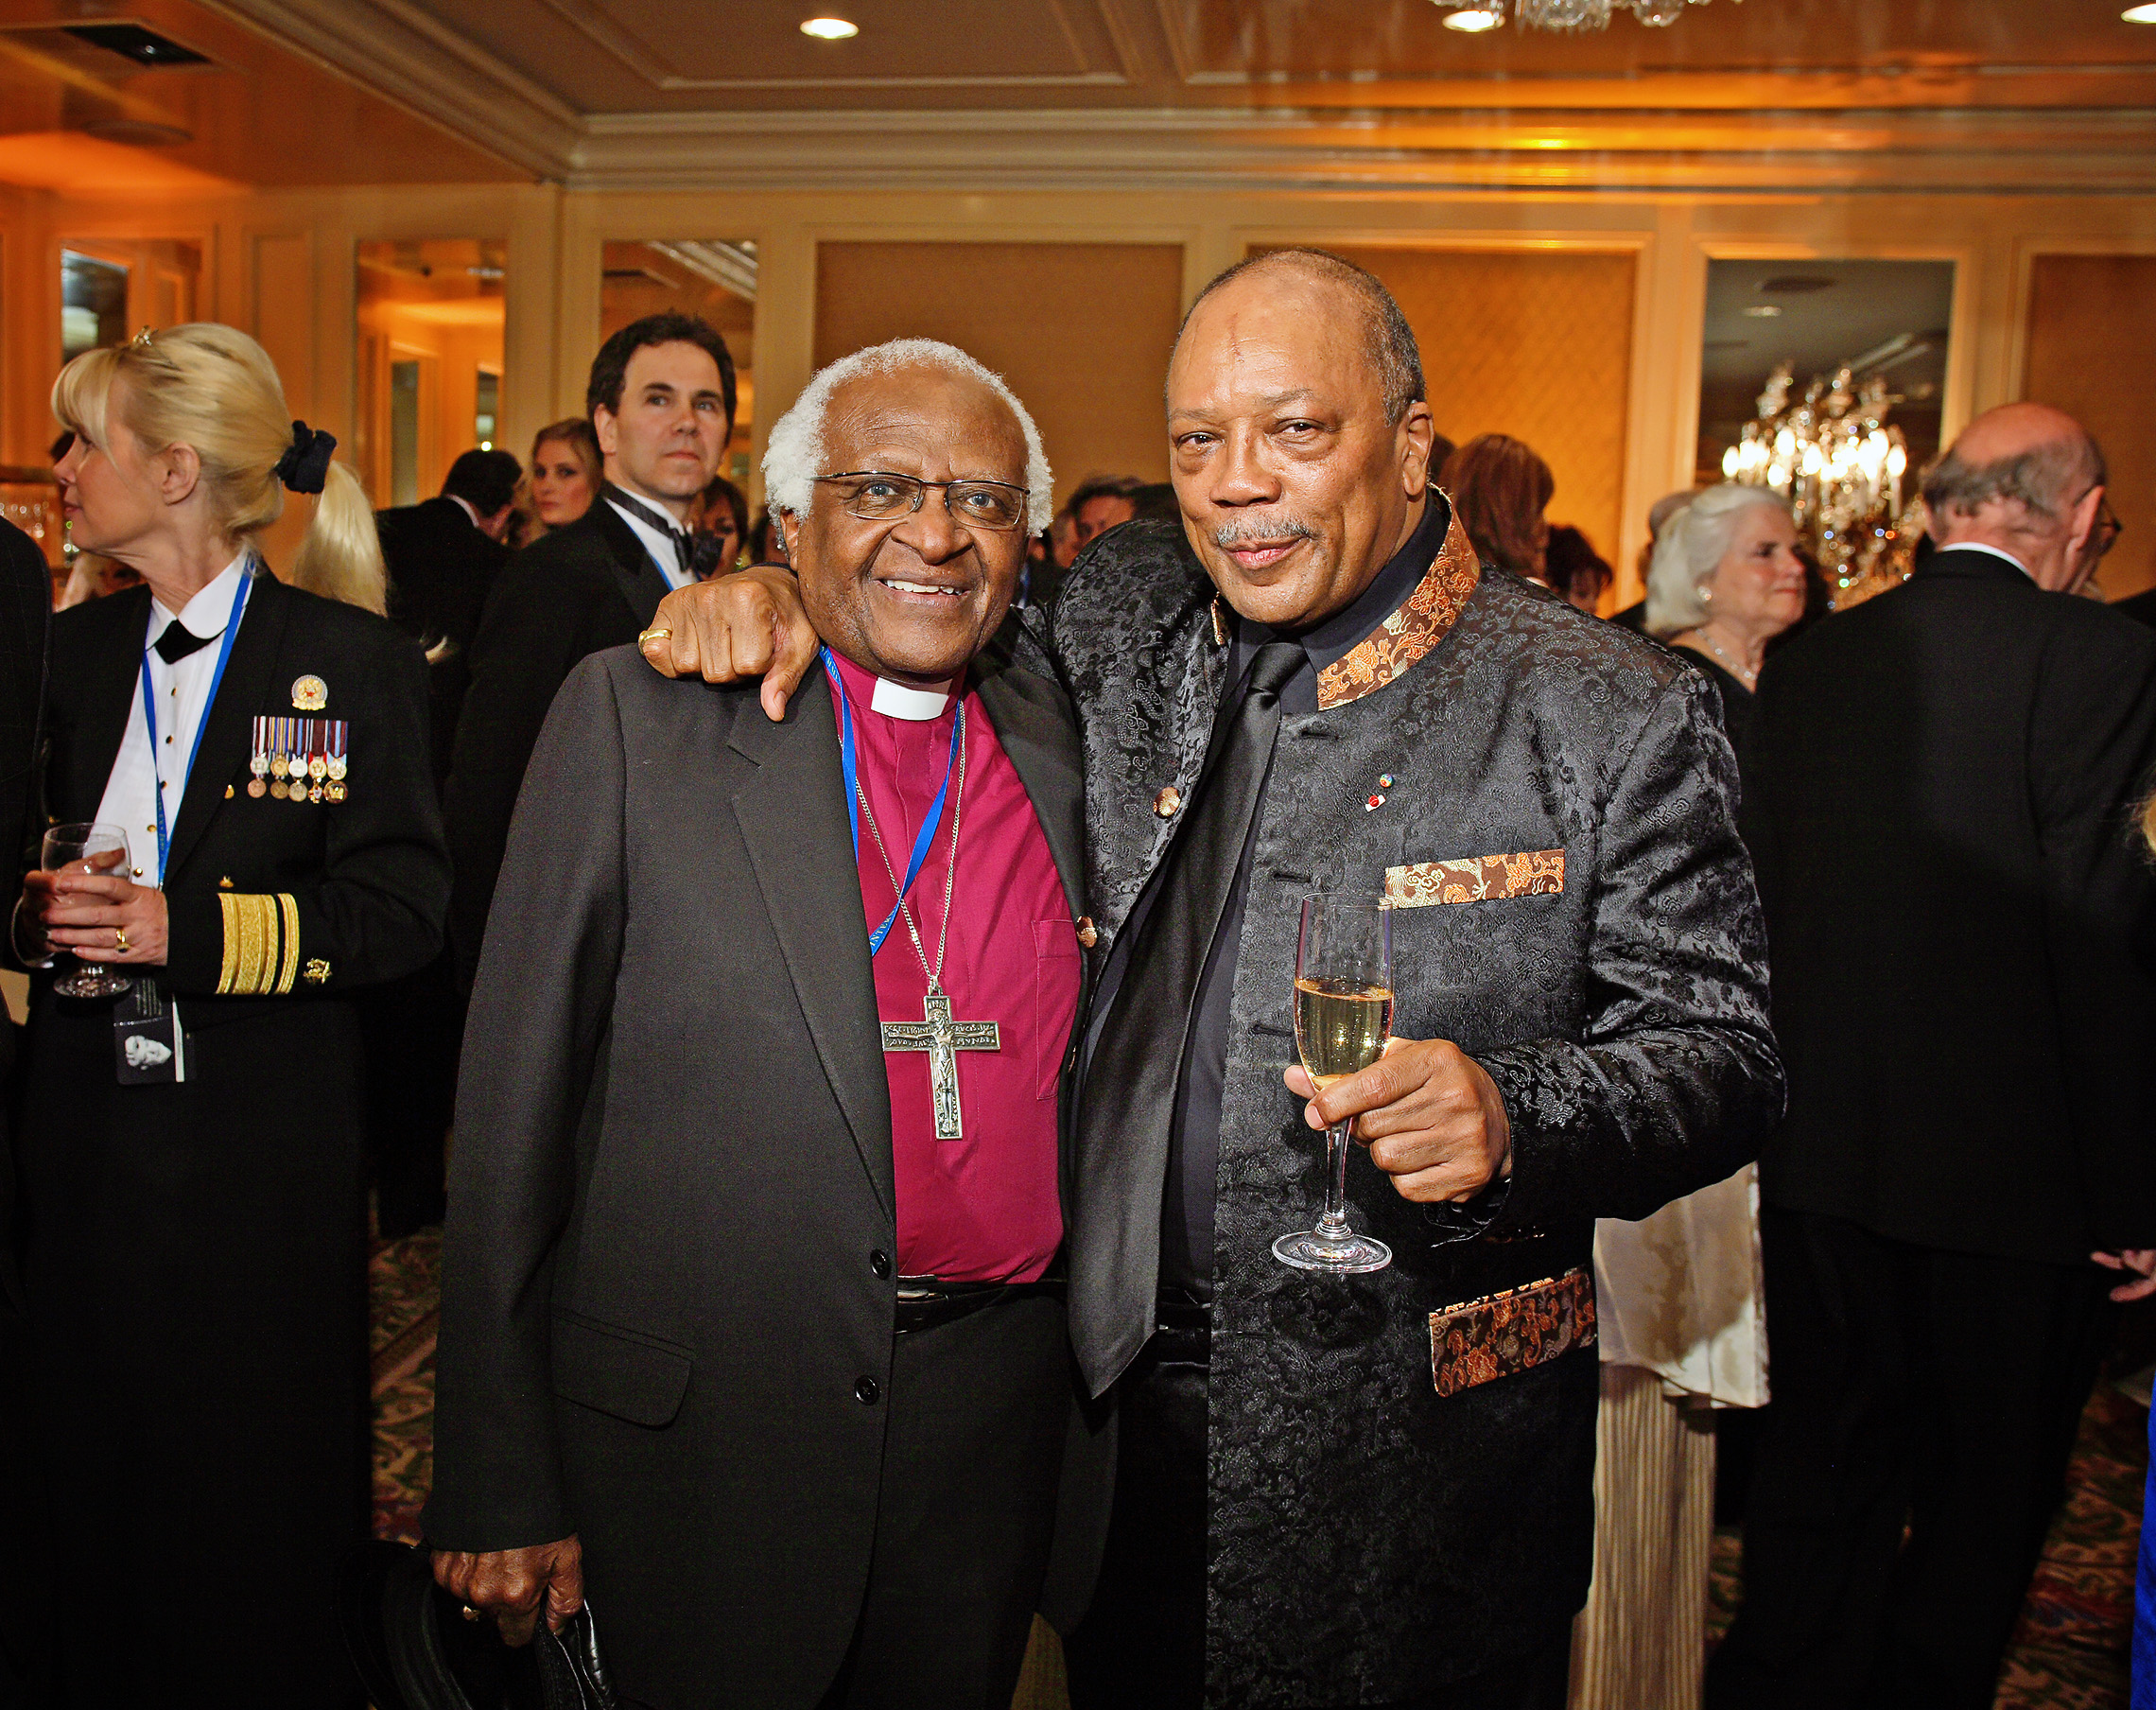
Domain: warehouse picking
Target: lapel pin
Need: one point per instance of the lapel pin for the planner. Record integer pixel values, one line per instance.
(1378, 800)
(310, 694)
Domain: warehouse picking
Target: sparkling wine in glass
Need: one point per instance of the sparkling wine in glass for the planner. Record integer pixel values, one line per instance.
(1344, 1004)
(87, 849)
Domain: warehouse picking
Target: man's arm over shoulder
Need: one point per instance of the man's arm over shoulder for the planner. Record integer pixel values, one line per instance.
(539, 1009)
(2091, 764)
(1675, 1082)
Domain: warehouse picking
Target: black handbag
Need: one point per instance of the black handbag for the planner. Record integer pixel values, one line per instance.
(413, 1649)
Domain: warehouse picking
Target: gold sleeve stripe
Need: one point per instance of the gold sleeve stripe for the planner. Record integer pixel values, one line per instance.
(250, 967)
(288, 910)
(230, 970)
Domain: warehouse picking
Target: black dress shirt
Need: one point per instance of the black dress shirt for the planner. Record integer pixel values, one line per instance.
(1186, 1207)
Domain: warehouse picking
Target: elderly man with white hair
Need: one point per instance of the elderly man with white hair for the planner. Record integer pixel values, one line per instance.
(754, 1318)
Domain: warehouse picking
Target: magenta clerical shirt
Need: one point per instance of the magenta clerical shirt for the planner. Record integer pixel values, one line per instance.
(983, 1208)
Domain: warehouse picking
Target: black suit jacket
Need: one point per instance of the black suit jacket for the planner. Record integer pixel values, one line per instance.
(440, 570)
(582, 588)
(672, 1182)
(1939, 802)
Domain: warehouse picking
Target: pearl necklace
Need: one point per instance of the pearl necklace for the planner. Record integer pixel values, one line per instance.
(1749, 678)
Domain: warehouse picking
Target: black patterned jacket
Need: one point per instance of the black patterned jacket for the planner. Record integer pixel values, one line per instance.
(1561, 798)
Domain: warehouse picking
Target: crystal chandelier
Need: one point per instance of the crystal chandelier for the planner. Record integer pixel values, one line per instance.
(1833, 457)
(1565, 15)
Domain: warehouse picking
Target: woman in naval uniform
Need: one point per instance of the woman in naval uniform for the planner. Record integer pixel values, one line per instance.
(190, 1155)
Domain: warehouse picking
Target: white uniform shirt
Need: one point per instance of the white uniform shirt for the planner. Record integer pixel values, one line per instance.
(659, 545)
(181, 693)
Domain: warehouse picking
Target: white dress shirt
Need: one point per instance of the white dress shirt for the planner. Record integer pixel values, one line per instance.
(1977, 545)
(660, 545)
(181, 692)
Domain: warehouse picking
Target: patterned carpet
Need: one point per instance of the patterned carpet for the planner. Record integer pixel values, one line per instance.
(2069, 1651)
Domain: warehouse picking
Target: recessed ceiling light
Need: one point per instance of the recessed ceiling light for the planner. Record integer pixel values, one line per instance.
(1473, 23)
(1762, 311)
(829, 29)
(2140, 15)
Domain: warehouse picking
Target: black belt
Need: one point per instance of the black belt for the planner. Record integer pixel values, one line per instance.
(925, 1303)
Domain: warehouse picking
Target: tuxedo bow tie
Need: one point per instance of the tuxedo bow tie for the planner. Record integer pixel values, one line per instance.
(694, 555)
(178, 641)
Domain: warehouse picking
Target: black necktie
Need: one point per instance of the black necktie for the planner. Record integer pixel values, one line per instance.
(178, 641)
(684, 544)
(1127, 1112)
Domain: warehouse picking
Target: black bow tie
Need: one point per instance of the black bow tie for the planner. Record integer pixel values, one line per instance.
(178, 641)
(684, 543)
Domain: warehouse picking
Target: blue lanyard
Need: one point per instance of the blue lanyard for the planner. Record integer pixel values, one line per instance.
(849, 765)
(202, 723)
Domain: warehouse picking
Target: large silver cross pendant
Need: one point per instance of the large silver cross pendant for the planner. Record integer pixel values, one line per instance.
(943, 1039)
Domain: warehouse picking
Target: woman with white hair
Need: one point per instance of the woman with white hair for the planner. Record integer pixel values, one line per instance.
(1678, 1295)
(1726, 580)
(190, 1143)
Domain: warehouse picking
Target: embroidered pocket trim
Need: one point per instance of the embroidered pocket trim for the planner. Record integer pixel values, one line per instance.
(1476, 878)
(1503, 1335)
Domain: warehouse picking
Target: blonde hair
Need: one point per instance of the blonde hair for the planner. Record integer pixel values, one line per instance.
(214, 388)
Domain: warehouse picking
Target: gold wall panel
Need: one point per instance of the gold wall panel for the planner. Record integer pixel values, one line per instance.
(1081, 331)
(2091, 351)
(1535, 343)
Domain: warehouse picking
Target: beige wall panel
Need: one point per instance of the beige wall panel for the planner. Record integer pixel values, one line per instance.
(281, 289)
(2091, 351)
(1081, 331)
(1535, 343)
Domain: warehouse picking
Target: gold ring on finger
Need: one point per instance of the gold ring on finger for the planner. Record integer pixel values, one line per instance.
(658, 632)
(471, 1614)
(119, 937)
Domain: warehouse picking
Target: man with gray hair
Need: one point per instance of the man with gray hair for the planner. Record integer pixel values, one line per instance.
(753, 1319)
(1940, 806)
(1364, 1483)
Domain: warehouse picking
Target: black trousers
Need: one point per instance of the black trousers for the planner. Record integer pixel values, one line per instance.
(414, 1028)
(1913, 1388)
(1142, 1643)
(973, 1452)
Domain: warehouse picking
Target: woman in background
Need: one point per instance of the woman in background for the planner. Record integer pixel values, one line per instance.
(1679, 1296)
(567, 470)
(1500, 487)
(193, 1205)
(1726, 580)
(720, 517)
(1576, 572)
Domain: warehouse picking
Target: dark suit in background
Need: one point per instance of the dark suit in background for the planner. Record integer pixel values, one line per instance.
(1939, 802)
(668, 1316)
(588, 586)
(441, 568)
(25, 612)
(2140, 607)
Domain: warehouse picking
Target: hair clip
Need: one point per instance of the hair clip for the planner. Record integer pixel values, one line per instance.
(141, 339)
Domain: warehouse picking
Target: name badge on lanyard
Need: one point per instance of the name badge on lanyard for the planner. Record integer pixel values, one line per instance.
(149, 1045)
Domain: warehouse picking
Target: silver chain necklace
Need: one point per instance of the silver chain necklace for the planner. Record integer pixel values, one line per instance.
(950, 873)
(1736, 670)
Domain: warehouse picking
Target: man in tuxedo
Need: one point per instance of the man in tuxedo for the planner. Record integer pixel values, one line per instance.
(661, 400)
(442, 558)
(750, 1320)
(25, 612)
(1361, 1489)
(1961, 921)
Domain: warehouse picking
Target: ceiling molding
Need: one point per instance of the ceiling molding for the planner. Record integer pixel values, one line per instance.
(397, 51)
(1187, 150)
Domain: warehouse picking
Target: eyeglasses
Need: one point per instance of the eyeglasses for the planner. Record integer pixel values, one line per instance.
(878, 495)
(2109, 527)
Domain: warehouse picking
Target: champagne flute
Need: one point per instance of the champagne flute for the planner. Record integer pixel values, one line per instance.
(1344, 1004)
(84, 848)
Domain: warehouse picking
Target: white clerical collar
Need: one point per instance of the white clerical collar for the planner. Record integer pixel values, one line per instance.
(1977, 545)
(918, 706)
